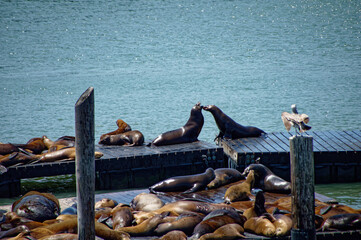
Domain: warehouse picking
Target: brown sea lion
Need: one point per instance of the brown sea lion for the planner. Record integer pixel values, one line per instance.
(227, 232)
(67, 153)
(130, 138)
(34, 145)
(174, 235)
(241, 191)
(266, 180)
(258, 208)
(228, 128)
(261, 226)
(283, 224)
(57, 145)
(106, 202)
(186, 134)
(350, 221)
(224, 176)
(188, 184)
(215, 220)
(122, 216)
(146, 202)
(14, 231)
(8, 148)
(37, 206)
(184, 222)
(17, 158)
(122, 127)
(61, 236)
(182, 206)
(145, 228)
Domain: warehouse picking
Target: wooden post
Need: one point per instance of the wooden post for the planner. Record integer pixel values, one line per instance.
(85, 164)
(303, 188)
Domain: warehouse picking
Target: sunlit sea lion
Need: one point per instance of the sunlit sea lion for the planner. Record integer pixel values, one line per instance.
(228, 128)
(261, 226)
(174, 235)
(186, 134)
(188, 184)
(184, 222)
(241, 191)
(146, 202)
(129, 138)
(64, 153)
(122, 127)
(227, 232)
(122, 216)
(145, 228)
(224, 176)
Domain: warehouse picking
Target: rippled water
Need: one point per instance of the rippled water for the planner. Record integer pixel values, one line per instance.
(150, 61)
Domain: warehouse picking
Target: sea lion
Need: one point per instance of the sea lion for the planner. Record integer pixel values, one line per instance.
(266, 180)
(184, 222)
(182, 206)
(350, 221)
(34, 145)
(174, 235)
(8, 148)
(37, 206)
(68, 153)
(17, 158)
(145, 228)
(130, 138)
(258, 208)
(14, 231)
(215, 220)
(106, 202)
(186, 134)
(188, 183)
(57, 145)
(283, 224)
(241, 191)
(146, 202)
(122, 216)
(122, 127)
(227, 232)
(228, 128)
(261, 226)
(224, 176)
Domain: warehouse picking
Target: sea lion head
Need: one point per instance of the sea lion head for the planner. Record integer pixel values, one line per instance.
(197, 107)
(209, 108)
(123, 125)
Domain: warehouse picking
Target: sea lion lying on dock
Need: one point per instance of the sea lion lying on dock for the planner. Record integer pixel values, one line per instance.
(224, 176)
(122, 128)
(188, 184)
(241, 191)
(129, 138)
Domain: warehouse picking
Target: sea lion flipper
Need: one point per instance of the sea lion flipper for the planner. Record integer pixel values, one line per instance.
(195, 188)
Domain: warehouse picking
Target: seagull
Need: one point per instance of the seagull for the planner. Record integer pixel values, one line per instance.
(298, 121)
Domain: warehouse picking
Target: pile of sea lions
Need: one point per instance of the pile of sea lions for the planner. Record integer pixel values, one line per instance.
(161, 214)
(39, 150)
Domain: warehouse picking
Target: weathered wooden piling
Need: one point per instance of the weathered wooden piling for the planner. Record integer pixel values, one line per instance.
(85, 164)
(303, 188)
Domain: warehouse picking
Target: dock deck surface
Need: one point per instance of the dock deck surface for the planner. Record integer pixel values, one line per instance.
(337, 154)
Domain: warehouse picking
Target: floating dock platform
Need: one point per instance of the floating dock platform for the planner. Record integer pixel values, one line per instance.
(337, 154)
(125, 167)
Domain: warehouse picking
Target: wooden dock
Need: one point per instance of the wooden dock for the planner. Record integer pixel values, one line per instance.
(337, 154)
(125, 167)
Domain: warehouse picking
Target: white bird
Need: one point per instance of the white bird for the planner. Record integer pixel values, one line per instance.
(298, 121)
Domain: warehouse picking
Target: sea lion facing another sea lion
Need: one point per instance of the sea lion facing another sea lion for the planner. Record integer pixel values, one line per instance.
(188, 183)
(224, 176)
(228, 128)
(129, 138)
(241, 191)
(186, 134)
(122, 127)
(266, 180)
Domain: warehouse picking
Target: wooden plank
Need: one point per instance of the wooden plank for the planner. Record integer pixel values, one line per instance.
(249, 144)
(285, 147)
(344, 140)
(318, 143)
(238, 146)
(323, 139)
(264, 145)
(273, 144)
(338, 143)
(352, 142)
(356, 138)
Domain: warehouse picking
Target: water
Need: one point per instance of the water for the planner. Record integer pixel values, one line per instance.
(150, 61)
